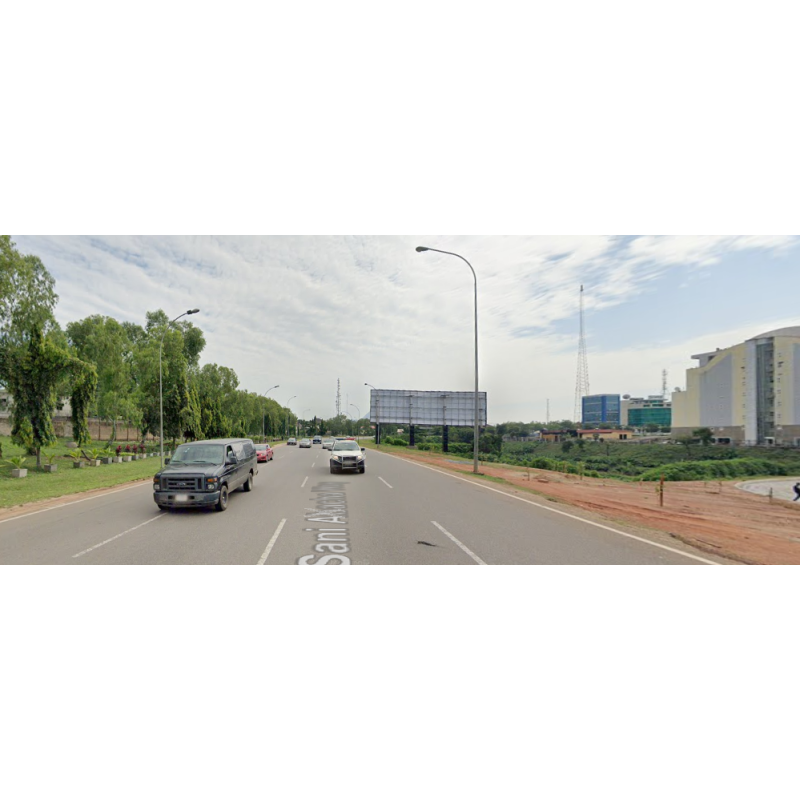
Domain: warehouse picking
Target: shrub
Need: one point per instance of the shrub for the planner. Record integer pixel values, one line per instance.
(712, 470)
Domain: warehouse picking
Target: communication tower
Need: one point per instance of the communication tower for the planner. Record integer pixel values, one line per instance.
(582, 380)
(664, 376)
(338, 397)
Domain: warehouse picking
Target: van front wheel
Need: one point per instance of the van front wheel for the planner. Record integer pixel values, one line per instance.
(248, 484)
(222, 503)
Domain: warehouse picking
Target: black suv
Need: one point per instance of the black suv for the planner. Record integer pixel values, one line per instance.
(202, 474)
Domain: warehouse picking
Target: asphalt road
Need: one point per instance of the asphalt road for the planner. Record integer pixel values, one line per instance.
(398, 512)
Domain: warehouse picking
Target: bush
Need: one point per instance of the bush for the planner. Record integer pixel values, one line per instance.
(714, 470)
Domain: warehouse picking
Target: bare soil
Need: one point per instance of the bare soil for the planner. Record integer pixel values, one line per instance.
(715, 517)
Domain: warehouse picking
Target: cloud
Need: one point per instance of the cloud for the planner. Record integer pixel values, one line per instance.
(304, 311)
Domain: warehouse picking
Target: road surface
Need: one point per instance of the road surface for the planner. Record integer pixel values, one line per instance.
(398, 512)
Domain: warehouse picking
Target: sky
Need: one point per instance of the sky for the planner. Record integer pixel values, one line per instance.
(303, 312)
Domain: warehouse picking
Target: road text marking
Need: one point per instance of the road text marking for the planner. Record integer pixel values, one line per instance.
(272, 541)
(462, 546)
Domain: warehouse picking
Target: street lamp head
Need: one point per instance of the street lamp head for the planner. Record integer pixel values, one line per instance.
(194, 311)
(422, 249)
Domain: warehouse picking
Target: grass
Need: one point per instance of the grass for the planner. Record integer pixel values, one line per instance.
(41, 485)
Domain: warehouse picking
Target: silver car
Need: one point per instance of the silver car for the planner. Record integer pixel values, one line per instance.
(348, 456)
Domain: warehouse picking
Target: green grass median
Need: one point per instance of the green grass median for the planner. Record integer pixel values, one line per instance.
(41, 485)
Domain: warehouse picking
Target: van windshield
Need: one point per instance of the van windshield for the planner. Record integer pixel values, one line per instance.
(199, 454)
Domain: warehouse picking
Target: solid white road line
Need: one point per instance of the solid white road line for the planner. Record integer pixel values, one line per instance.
(135, 528)
(272, 541)
(389, 485)
(562, 513)
(462, 546)
(302, 485)
(73, 502)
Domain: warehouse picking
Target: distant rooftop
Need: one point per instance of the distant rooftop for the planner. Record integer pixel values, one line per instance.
(793, 331)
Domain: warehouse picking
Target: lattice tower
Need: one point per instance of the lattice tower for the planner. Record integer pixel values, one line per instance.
(338, 397)
(582, 380)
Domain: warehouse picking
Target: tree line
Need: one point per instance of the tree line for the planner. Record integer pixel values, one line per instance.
(110, 370)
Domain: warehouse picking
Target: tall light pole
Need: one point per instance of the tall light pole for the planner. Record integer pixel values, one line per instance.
(160, 380)
(264, 416)
(377, 417)
(477, 426)
(358, 430)
(286, 427)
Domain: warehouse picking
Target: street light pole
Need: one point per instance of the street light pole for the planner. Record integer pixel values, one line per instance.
(160, 381)
(286, 427)
(358, 430)
(377, 416)
(475, 277)
(264, 416)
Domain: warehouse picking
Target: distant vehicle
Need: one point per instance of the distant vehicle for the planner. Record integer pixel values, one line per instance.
(347, 455)
(327, 444)
(264, 453)
(317, 440)
(202, 474)
(292, 441)
(305, 443)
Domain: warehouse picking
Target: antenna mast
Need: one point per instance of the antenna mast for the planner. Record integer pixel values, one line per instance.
(338, 397)
(664, 375)
(582, 380)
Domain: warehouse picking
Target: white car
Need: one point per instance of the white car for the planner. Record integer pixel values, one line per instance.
(348, 456)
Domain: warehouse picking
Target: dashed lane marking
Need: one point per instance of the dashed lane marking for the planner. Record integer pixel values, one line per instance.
(303, 484)
(462, 546)
(130, 530)
(388, 484)
(271, 544)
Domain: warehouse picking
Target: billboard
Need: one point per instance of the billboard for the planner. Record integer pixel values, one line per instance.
(406, 407)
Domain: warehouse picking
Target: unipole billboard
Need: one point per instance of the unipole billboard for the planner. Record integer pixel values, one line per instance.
(406, 407)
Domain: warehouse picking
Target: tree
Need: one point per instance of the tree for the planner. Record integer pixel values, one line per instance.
(27, 301)
(705, 435)
(35, 370)
(102, 341)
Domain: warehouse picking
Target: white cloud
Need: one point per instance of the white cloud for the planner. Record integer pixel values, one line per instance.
(305, 311)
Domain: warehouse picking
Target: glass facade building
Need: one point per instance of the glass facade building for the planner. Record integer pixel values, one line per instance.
(600, 409)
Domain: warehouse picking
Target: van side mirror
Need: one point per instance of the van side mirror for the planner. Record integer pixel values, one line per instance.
(166, 460)
(363, 449)
(231, 459)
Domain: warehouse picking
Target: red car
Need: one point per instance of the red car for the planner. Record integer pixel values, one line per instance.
(263, 453)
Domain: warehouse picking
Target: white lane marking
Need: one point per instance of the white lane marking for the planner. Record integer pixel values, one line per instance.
(138, 485)
(389, 485)
(302, 485)
(562, 513)
(272, 541)
(462, 546)
(135, 528)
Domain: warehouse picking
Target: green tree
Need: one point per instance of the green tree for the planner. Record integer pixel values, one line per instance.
(35, 370)
(27, 302)
(102, 341)
(705, 435)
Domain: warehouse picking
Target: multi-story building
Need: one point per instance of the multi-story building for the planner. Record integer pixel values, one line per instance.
(638, 412)
(600, 409)
(748, 393)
